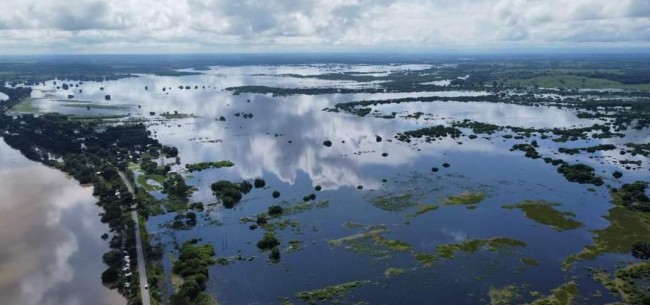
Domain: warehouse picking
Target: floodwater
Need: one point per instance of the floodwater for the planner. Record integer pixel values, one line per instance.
(283, 143)
(49, 236)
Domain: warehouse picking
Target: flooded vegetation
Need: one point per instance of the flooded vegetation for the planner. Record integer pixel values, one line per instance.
(340, 181)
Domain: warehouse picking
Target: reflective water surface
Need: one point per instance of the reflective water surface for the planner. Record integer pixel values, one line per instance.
(49, 236)
(283, 143)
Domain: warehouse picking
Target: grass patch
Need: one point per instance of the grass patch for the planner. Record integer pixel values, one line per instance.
(466, 198)
(143, 180)
(563, 295)
(508, 295)
(530, 261)
(372, 243)
(26, 105)
(391, 272)
(424, 208)
(95, 106)
(426, 259)
(394, 203)
(546, 214)
(448, 251)
(331, 294)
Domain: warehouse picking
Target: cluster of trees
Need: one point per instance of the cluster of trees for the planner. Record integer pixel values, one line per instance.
(192, 265)
(633, 196)
(529, 149)
(230, 193)
(580, 173)
(196, 167)
(270, 242)
(429, 133)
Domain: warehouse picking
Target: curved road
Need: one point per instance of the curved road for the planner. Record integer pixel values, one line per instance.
(142, 271)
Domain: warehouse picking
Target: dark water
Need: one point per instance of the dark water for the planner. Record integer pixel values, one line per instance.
(49, 236)
(282, 143)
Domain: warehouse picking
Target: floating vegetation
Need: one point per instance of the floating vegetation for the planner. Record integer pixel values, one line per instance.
(394, 203)
(424, 208)
(372, 243)
(294, 246)
(563, 295)
(530, 261)
(465, 198)
(448, 251)
(330, 293)
(545, 213)
(508, 295)
(391, 272)
(304, 206)
(196, 167)
(426, 259)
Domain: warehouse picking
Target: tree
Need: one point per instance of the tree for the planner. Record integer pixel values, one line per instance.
(259, 183)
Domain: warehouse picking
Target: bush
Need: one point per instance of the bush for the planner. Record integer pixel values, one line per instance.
(259, 183)
(275, 194)
(268, 242)
(275, 210)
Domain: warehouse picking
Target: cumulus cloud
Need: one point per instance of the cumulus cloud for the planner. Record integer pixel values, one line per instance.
(262, 25)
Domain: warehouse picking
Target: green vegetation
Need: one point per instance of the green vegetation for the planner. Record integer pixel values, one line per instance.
(580, 173)
(424, 208)
(563, 295)
(196, 167)
(529, 149)
(507, 295)
(176, 115)
(591, 149)
(391, 272)
(26, 105)
(466, 198)
(372, 243)
(530, 261)
(545, 213)
(478, 127)
(259, 183)
(629, 224)
(230, 193)
(143, 181)
(631, 283)
(448, 251)
(426, 259)
(429, 133)
(192, 266)
(330, 294)
(177, 192)
(394, 203)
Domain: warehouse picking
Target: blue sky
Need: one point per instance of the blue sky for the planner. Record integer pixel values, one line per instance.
(219, 26)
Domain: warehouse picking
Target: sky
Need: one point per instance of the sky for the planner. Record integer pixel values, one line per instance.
(226, 26)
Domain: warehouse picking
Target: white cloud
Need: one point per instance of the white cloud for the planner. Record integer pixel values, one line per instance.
(319, 25)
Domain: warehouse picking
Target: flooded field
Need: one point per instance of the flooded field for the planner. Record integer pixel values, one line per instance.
(366, 216)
